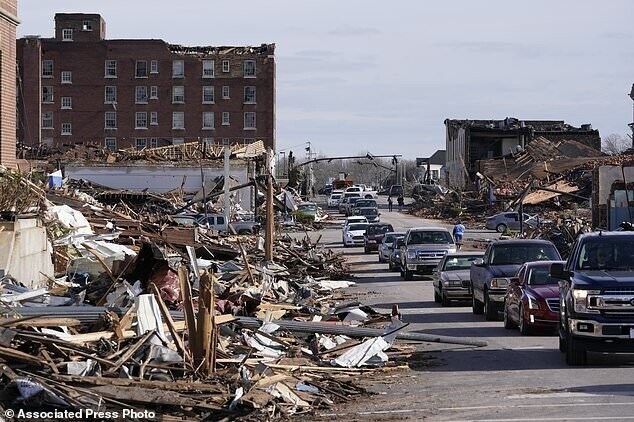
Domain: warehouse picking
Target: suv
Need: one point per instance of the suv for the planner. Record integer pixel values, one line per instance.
(490, 276)
(371, 213)
(423, 249)
(596, 295)
(366, 203)
(374, 236)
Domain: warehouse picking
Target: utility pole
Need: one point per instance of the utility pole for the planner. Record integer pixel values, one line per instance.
(309, 182)
(270, 215)
(227, 177)
(631, 125)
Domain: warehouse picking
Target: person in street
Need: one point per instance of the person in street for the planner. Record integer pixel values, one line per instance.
(458, 232)
(389, 203)
(400, 201)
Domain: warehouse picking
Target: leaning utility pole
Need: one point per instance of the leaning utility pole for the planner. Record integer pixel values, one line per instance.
(270, 215)
(227, 177)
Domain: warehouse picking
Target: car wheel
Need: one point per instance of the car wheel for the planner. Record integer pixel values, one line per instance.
(402, 272)
(437, 297)
(576, 355)
(445, 300)
(501, 228)
(409, 275)
(524, 328)
(380, 258)
(476, 306)
(389, 265)
(508, 324)
(562, 343)
(490, 314)
(366, 250)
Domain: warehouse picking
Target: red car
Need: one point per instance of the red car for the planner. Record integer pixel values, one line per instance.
(532, 299)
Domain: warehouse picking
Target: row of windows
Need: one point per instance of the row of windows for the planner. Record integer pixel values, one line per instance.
(141, 120)
(141, 69)
(178, 94)
(140, 143)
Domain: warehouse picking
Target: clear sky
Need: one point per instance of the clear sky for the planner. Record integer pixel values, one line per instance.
(366, 75)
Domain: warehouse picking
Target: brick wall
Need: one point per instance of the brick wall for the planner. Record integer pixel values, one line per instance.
(8, 24)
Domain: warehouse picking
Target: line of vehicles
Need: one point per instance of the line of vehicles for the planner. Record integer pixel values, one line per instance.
(587, 299)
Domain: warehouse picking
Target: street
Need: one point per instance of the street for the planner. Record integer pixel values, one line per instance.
(514, 378)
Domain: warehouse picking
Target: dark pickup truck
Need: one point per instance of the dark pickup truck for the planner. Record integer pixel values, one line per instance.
(596, 295)
(490, 275)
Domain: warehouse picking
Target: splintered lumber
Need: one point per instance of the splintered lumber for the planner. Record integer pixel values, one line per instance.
(178, 341)
(182, 386)
(16, 355)
(188, 309)
(152, 396)
(554, 190)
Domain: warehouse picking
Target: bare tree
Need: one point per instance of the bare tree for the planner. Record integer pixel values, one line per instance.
(615, 144)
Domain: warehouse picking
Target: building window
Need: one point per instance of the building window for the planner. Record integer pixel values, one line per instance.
(249, 120)
(111, 144)
(225, 92)
(177, 141)
(47, 94)
(110, 95)
(153, 142)
(110, 120)
(178, 69)
(141, 69)
(154, 118)
(47, 120)
(208, 94)
(67, 34)
(67, 77)
(225, 142)
(207, 142)
(249, 94)
(140, 118)
(208, 120)
(67, 129)
(208, 68)
(248, 141)
(154, 66)
(110, 69)
(178, 120)
(225, 66)
(140, 143)
(67, 103)
(140, 96)
(48, 142)
(86, 26)
(47, 68)
(178, 94)
(249, 68)
(225, 118)
(154, 92)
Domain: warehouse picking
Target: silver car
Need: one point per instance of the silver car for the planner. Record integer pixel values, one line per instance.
(511, 221)
(452, 277)
(385, 248)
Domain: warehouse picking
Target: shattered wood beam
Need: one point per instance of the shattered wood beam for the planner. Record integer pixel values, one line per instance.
(178, 341)
(182, 386)
(188, 308)
(270, 213)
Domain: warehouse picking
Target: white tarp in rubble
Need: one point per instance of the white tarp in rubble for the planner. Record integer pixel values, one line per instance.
(71, 219)
(334, 284)
(360, 355)
(287, 198)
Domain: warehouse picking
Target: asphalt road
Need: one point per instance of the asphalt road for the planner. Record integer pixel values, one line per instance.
(514, 378)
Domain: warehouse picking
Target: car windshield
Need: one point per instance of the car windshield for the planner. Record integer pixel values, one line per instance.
(430, 237)
(603, 254)
(307, 207)
(353, 200)
(368, 211)
(519, 254)
(541, 276)
(357, 226)
(379, 229)
(455, 263)
(337, 196)
(366, 203)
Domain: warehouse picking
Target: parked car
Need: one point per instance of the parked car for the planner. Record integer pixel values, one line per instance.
(353, 234)
(451, 281)
(366, 203)
(423, 249)
(532, 298)
(510, 220)
(354, 219)
(385, 247)
(350, 205)
(374, 236)
(394, 261)
(372, 214)
(308, 210)
(490, 275)
(335, 198)
(343, 204)
(596, 295)
(362, 190)
(216, 222)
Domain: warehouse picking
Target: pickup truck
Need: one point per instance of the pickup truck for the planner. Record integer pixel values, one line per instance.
(362, 190)
(596, 296)
(423, 248)
(490, 275)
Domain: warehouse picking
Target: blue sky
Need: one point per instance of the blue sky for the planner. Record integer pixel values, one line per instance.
(366, 75)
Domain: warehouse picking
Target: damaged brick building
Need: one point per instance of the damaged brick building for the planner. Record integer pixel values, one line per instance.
(79, 87)
(469, 141)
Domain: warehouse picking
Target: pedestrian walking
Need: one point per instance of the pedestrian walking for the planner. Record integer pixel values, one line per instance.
(400, 201)
(458, 232)
(389, 203)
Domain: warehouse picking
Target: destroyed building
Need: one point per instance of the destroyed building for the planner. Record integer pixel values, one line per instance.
(469, 141)
(79, 87)
(8, 23)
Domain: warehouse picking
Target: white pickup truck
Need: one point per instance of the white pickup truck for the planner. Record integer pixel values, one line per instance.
(363, 190)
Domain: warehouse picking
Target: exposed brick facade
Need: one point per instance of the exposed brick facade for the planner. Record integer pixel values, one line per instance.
(80, 100)
(8, 24)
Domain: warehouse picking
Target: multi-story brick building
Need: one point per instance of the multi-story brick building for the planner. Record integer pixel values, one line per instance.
(8, 24)
(79, 87)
